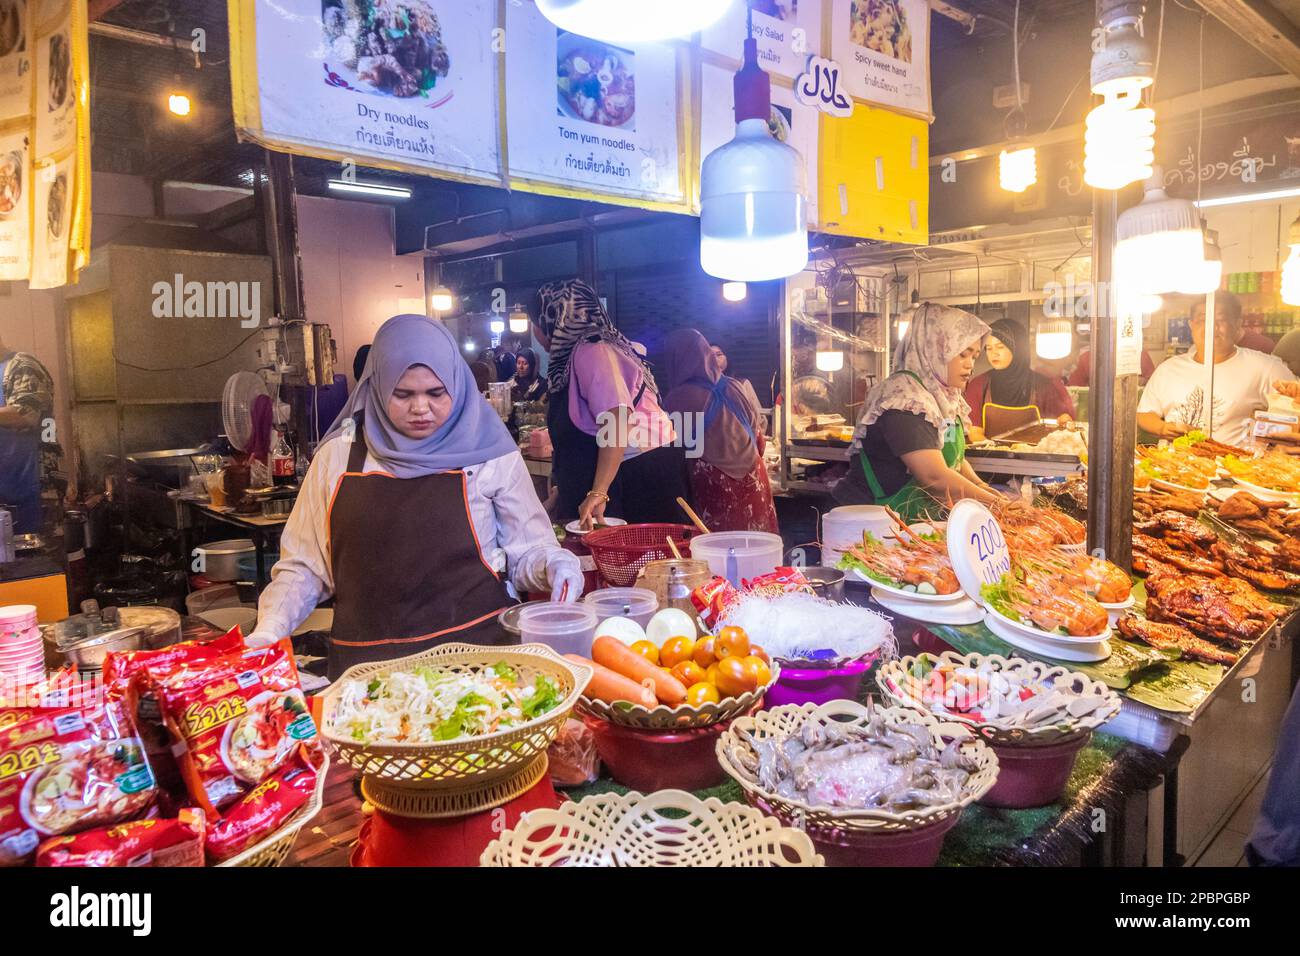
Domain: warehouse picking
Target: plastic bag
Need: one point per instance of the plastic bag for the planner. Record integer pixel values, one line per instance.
(264, 810)
(573, 758)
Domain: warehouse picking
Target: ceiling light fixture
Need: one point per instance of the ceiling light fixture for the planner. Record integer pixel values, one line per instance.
(753, 214)
(1161, 245)
(518, 320)
(179, 104)
(734, 291)
(1119, 136)
(441, 299)
(1054, 339)
(370, 189)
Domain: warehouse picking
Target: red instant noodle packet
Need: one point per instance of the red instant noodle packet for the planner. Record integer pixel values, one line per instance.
(67, 769)
(713, 599)
(778, 581)
(263, 811)
(174, 842)
(239, 718)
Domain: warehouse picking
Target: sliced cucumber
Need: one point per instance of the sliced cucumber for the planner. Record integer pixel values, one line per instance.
(925, 587)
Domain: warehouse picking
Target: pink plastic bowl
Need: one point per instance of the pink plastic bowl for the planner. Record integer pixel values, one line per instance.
(919, 847)
(649, 760)
(818, 685)
(1033, 776)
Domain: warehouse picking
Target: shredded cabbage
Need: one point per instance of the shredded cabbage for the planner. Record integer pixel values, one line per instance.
(428, 706)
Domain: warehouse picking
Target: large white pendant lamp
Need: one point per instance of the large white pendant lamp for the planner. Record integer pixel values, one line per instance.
(1161, 245)
(1291, 268)
(623, 21)
(753, 214)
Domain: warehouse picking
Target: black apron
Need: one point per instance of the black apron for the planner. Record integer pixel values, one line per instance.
(573, 458)
(408, 573)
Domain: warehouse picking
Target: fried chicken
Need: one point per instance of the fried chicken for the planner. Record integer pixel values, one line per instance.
(1165, 636)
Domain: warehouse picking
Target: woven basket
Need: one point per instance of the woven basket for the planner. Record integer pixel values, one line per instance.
(421, 803)
(681, 717)
(276, 848)
(467, 762)
(781, 722)
(620, 553)
(634, 830)
(890, 679)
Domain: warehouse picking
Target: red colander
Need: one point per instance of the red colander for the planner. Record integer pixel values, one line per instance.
(621, 552)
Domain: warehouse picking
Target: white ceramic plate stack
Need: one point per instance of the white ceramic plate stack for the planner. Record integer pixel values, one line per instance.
(22, 651)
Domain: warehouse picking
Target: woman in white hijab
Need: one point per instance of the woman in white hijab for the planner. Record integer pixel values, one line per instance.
(909, 450)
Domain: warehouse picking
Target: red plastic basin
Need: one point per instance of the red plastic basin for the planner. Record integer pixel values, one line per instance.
(389, 840)
(1032, 776)
(649, 760)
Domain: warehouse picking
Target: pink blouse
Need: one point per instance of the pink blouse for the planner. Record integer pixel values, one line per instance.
(602, 378)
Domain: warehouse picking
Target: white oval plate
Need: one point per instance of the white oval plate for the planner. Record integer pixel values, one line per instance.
(1037, 634)
(1268, 494)
(1170, 486)
(1075, 653)
(958, 595)
(956, 612)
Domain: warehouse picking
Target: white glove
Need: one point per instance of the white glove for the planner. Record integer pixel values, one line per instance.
(260, 639)
(563, 567)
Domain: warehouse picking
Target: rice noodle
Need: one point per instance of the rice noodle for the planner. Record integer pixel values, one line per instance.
(803, 627)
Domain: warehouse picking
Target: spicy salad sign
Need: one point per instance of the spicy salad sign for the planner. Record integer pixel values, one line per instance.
(490, 91)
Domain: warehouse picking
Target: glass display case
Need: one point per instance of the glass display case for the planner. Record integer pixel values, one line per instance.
(835, 345)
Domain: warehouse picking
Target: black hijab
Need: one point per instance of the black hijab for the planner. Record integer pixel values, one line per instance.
(1013, 385)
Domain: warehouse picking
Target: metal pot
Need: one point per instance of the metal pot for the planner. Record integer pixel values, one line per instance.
(826, 582)
(88, 654)
(221, 558)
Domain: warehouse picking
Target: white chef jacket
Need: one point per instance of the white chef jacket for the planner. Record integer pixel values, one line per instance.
(514, 534)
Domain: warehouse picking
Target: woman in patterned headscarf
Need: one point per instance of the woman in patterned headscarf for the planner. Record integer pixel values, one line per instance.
(616, 451)
(909, 450)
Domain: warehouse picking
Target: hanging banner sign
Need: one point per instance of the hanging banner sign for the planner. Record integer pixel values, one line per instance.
(787, 31)
(369, 80)
(589, 115)
(883, 47)
(44, 141)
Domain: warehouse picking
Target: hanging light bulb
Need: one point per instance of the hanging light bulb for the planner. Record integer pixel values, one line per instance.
(830, 360)
(1207, 275)
(497, 326)
(179, 104)
(1291, 268)
(903, 325)
(1119, 135)
(734, 291)
(469, 345)
(753, 215)
(1161, 246)
(1018, 169)
(518, 320)
(441, 299)
(619, 21)
(1055, 339)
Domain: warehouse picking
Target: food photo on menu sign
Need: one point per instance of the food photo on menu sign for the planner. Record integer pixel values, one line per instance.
(15, 61)
(410, 80)
(883, 47)
(787, 31)
(612, 125)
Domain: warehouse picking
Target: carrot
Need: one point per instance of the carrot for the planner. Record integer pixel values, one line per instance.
(610, 686)
(617, 656)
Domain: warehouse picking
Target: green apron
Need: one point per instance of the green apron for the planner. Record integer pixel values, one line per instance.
(911, 502)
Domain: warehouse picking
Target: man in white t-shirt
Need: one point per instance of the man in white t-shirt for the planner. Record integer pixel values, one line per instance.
(1173, 402)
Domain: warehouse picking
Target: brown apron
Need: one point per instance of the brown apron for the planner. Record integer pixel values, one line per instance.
(408, 573)
(1001, 420)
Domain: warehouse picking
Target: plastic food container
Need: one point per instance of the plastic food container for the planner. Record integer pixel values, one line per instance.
(565, 628)
(818, 685)
(917, 847)
(635, 603)
(843, 527)
(738, 555)
(649, 760)
(573, 542)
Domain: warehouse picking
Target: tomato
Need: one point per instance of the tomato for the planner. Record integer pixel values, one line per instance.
(711, 673)
(676, 650)
(647, 650)
(689, 673)
(702, 693)
(732, 642)
(757, 668)
(756, 651)
(704, 652)
(733, 680)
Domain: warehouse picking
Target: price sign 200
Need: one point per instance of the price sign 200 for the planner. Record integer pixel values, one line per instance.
(991, 550)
